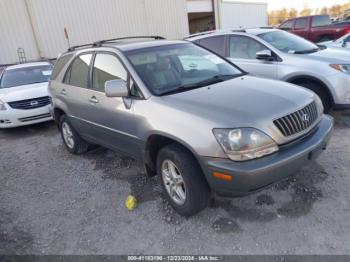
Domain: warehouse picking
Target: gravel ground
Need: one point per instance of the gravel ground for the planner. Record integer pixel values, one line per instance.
(52, 202)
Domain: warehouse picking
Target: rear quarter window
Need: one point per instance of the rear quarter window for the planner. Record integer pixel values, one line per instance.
(215, 44)
(58, 66)
(321, 21)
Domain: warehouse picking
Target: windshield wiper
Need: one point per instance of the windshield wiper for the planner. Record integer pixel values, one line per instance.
(210, 81)
(308, 51)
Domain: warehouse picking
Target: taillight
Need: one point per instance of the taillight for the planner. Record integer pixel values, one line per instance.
(347, 30)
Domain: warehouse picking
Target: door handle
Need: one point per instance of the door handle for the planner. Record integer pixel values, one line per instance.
(93, 100)
(63, 92)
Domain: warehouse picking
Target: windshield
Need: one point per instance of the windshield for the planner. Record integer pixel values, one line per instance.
(288, 43)
(26, 76)
(176, 68)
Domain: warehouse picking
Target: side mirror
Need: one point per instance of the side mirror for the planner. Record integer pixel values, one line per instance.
(264, 55)
(116, 88)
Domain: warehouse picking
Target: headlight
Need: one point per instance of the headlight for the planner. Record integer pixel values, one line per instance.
(2, 106)
(343, 68)
(245, 143)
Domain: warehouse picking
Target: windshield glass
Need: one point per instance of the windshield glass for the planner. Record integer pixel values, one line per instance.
(26, 76)
(176, 68)
(288, 43)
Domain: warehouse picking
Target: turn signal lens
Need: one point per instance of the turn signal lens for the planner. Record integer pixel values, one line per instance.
(222, 176)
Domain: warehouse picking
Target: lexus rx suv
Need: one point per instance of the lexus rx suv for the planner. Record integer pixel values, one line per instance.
(24, 98)
(188, 115)
(276, 54)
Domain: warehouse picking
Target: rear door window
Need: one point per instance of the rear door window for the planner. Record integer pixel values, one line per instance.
(106, 67)
(215, 44)
(301, 23)
(78, 73)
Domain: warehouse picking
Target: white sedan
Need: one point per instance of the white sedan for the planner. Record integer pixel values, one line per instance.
(24, 97)
(342, 42)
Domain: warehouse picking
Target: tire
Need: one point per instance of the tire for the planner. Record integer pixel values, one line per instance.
(78, 145)
(197, 192)
(326, 100)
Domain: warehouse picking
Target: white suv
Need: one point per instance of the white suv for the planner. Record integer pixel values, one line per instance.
(24, 98)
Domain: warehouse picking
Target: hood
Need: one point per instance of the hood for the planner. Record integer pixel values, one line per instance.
(242, 102)
(23, 92)
(331, 55)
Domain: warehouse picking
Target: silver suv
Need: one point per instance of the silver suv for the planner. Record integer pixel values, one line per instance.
(190, 116)
(276, 54)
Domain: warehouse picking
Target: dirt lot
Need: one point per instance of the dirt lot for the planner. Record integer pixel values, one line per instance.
(54, 203)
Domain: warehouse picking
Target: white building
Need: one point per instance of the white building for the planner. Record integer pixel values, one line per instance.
(37, 26)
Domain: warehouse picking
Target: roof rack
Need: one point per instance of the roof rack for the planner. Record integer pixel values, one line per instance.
(239, 30)
(201, 33)
(72, 48)
(101, 42)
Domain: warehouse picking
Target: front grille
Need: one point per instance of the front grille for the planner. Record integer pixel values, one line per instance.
(298, 121)
(30, 103)
(32, 118)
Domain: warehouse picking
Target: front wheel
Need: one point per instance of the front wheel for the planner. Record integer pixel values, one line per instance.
(74, 143)
(326, 100)
(183, 181)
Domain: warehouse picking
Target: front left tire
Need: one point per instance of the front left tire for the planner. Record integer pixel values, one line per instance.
(183, 181)
(73, 142)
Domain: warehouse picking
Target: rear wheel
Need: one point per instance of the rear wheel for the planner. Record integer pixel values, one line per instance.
(326, 100)
(74, 143)
(183, 181)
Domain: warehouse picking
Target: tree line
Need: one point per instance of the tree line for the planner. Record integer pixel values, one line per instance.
(276, 17)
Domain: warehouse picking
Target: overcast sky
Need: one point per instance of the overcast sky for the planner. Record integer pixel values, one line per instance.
(298, 4)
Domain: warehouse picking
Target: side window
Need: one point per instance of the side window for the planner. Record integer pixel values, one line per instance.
(134, 90)
(244, 47)
(78, 74)
(215, 44)
(346, 41)
(301, 23)
(106, 67)
(287, 25)
(321, 21)
(60, 63)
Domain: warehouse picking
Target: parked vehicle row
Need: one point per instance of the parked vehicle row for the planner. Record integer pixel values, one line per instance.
(207, 113)
(196, 119)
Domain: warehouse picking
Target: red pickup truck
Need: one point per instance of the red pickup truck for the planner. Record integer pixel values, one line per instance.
(317, 28)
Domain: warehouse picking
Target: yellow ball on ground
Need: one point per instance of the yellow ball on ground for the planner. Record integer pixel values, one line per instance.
(130, 202)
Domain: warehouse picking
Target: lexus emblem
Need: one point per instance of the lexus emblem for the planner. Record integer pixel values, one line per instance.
(305, 117)
(34, 103)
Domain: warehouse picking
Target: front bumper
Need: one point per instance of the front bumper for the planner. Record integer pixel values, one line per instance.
(253, 175)
(16, 117)
(339, 85)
